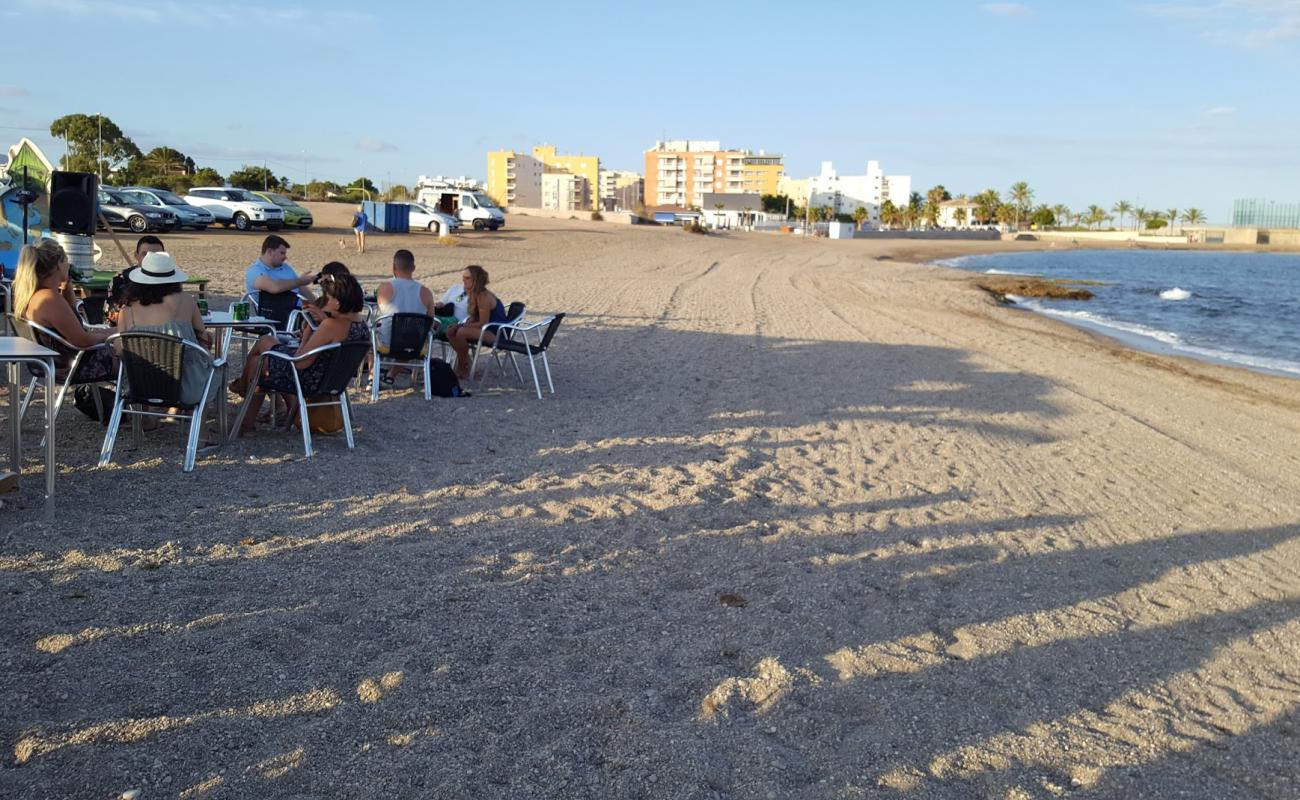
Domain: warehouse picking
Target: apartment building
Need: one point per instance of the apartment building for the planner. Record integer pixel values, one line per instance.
(844, 193)
(620, 190)
(680, 172)
(564, 191)
(515, 178)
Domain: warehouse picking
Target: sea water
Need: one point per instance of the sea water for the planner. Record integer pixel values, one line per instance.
(1241, 309)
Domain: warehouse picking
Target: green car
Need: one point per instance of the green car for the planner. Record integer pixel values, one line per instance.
(295, 216)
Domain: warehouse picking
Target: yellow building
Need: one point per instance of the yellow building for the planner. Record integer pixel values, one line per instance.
(515, 179)
(680, 172)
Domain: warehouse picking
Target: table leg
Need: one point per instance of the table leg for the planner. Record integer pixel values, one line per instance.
(50, 466)
(15, 421)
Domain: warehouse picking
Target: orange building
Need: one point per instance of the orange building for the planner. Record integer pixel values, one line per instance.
(679, 173)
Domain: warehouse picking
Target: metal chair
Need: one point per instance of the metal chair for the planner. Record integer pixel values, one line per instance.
(514, 313)
(150, 376)
(410, 339)
(344, 362)
(45, 337)
(277, 307)
(513, 340)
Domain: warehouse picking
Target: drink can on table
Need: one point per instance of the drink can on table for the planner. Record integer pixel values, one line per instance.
(203, 307)
(239, 312)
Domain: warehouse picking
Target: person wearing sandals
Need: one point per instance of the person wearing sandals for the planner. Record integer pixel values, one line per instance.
(156, 304)
(43, 294)
(484, 307)
(341, 321)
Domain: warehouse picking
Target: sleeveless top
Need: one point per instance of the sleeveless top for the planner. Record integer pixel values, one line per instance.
(405, 300)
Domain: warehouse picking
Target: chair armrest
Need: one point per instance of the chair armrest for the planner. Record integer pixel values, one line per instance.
(525, 326)
(313, 352)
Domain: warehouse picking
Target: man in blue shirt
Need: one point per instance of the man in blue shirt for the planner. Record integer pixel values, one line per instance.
(272, 275)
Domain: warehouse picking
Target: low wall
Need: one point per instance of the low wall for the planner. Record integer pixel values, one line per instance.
(969, 235)
(620, 217)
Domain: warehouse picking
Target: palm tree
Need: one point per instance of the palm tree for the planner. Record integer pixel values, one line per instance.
(717, 216)
(859, 216)
(1140, 216)
(1094, 216)
(747, 219)
(960, 216)
(1171, 214)
(1194, 216)
(1021, 196)
(1062, 213)
(1122, 208)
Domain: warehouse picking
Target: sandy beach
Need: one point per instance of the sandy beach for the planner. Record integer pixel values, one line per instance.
(804, 519)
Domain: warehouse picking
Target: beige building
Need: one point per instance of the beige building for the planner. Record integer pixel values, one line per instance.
(680, 172)
(516, 178)
(620, 190)
(564, 191)
(794, 188)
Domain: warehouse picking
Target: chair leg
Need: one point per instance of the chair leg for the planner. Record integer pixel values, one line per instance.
(137, 432)
(306, 423)
(532, 365)
(27, 398)
(374, 379)
(345, 408)
(110, 436)
(428, 390)
(192, 444)
(546, 364)
(518, 375)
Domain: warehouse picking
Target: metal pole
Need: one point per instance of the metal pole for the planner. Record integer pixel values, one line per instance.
(99, 162)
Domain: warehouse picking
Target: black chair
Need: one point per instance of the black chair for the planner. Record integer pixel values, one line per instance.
(410, 339)
(343, 363)
(514, 313)
(150, 375)
(513, 340)
(276, 307)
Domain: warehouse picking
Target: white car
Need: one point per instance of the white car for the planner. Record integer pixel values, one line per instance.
(238, 207)
(426, 218)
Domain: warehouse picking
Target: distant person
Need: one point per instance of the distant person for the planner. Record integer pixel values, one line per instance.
(484, 308)
(401, 295)
(359, 224)
(121, 283)
(271, 274)
(43, 294)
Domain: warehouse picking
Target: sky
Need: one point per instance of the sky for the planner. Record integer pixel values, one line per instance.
(1163, 104)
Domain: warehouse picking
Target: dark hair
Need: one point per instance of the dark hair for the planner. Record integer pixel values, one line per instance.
(273, 242)
(345, 289)
(149, 239)
(478, 278)
(335, 268)
(405, 260)
(146, 294)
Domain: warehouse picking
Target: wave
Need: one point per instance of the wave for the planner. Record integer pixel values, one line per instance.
(1164, 341)
(1175, 294)
(1009, 272)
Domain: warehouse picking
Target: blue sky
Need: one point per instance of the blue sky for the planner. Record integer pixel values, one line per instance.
(1185, 103)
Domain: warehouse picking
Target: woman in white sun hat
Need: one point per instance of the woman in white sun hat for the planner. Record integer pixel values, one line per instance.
(156, 304)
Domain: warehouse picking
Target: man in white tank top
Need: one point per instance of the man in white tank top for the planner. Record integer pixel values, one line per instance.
(402, 295)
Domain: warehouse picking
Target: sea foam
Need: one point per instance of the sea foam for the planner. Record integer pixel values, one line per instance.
(1175, 294)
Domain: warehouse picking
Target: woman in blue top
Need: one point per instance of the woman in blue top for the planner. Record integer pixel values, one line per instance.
(359, 225)
(484, 308)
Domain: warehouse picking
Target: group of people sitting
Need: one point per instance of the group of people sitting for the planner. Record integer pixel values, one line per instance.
(149, 297)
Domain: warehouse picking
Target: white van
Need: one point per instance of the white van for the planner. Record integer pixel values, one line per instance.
(469, 206)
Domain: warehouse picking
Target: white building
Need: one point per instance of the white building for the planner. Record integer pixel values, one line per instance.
(620, 190)
(844, 193)
(958, 213)
(564, 191)
(737, 212)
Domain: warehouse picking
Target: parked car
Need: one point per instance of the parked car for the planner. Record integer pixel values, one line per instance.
(428, 218)
(295, 216)
(238, 207)
(189, 216)
(121, 212)
(467, 205)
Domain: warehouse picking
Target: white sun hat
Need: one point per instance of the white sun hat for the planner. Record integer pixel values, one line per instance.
(157, 268)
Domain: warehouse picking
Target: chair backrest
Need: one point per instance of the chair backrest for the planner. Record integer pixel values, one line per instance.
(408, 334)
(277, 307)
(550, 332)
(45, 338)
(153, 366)
(514, 311)
(344, 364)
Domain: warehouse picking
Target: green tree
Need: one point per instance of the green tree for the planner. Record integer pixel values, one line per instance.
(1140, 217)
(168, 161)
(960, 215)
(94, 143)
(207, 176)
(860, 215)
(986, 206)
(1194, 216)
(397, 192)
(1021, 197)
(889, 213)
(1061, 212)
(1094, 216)
(1156, 221)
(775, 203)
(1123, 208)
(1042, 217)
(252, 176)
(1007, 214)
(362, 184)
(1171, 214)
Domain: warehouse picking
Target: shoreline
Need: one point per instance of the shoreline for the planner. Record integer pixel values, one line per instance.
(1130, 339)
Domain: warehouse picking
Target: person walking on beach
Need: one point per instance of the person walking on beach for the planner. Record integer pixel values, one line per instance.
(359, 225)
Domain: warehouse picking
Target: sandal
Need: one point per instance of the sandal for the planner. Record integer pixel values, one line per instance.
(239, 387)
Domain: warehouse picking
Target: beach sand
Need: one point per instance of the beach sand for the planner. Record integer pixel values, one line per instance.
(804, 519)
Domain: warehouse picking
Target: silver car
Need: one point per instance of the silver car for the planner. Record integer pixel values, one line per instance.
(427, 218)
(189, 216)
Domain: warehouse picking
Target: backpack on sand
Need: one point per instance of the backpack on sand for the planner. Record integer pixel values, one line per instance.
(442, 380)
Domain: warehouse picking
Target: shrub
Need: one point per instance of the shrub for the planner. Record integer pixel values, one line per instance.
(449, 241)
(695, 227)
(596, 217)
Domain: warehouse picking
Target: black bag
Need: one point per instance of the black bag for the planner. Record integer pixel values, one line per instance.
(444, 310)
(84, 399)
(442, 380)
